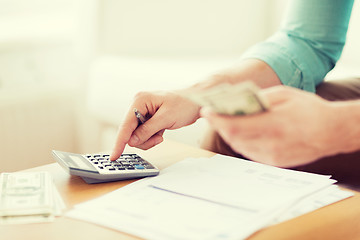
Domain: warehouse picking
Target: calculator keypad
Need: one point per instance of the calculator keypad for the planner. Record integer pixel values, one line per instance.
(126, 162)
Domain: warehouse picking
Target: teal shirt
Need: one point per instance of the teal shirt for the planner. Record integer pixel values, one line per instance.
(308, 44)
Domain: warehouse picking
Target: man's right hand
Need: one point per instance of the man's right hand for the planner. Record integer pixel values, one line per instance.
(164, 110)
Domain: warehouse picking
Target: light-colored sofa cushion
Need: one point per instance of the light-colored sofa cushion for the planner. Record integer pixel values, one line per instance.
(33, 122)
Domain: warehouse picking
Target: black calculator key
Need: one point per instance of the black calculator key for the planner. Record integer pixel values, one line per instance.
(130, 168)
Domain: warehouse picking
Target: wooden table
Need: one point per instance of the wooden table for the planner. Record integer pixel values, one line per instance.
(337, 221)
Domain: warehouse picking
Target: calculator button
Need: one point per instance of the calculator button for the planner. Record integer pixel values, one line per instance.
(139, 166)
(130, 168)
(96, 156)
(106, 155)
(121, 168)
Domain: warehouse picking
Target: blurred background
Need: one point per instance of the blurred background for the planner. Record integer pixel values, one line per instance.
(70, 68)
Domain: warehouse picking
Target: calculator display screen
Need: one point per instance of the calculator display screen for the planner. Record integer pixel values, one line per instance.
(74, 161)
(80, 163)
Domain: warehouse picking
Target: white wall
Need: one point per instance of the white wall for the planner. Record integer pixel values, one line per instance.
(181, 28)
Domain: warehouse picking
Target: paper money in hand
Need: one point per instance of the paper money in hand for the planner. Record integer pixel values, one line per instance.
(239, 99)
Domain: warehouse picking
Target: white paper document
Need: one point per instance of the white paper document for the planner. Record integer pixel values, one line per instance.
(210, 198)
(239, 183)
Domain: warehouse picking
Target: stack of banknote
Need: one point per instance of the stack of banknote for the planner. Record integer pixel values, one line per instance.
(239, 99)
(28, 198)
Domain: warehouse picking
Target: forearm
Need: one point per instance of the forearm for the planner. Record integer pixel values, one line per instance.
(249, 69)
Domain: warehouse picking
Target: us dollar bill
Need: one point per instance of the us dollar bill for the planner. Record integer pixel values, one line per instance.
(239, 99)
(28, 198)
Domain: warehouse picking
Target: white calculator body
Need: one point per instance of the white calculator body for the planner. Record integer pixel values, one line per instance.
(97, 168)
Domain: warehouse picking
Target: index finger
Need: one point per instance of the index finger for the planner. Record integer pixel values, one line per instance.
(124, 133)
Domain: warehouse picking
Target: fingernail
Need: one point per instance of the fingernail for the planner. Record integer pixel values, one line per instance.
(133, 140)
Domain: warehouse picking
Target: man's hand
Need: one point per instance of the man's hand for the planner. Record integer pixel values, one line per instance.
(164, 110)
(168, 110)
(298, 129)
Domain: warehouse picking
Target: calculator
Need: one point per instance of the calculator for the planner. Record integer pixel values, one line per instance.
(97, 168)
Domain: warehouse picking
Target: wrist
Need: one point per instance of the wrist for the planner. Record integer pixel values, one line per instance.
(249, 69)
(346, 128)
(189, 105)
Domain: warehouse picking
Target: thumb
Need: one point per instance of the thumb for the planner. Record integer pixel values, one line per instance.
(278, 94)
